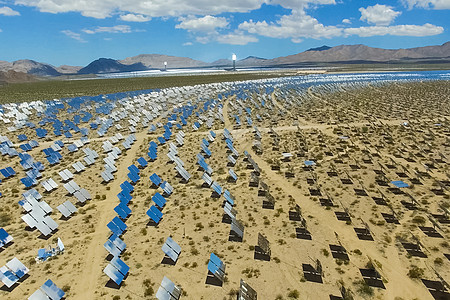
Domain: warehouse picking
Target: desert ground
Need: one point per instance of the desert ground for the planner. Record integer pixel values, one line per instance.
(360, 136)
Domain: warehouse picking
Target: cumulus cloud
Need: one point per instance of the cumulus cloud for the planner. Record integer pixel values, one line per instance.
(346, 21)
(378, 14)
(187, 44)
(153, 8)
(134, 18)
(398, 30)
(74, 35)
(295, 26)
(236, 38)
(7, 11)
(430, 4)
(204, 24)
(112, 29)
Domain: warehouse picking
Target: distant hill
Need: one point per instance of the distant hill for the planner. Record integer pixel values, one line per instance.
(362, 53)
(313, 56)
(321, 48)
(221, 63)
(108, 65)
(29, 67)
(251, 61)
(156, 61)
(64, 69)
(12, 76)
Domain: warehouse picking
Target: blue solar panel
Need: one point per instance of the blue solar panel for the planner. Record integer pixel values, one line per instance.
(134, 169)
(142, 162)
(154, 214)
(228, 197)
(125, 208)
(161, 140)
(155, 179)
(153, 145)
(4, 172)
(120, 265)
(159, 200)
(120, 212)
(153, 155)
(54, 292)
(41, 132)
(400, 184)
(22, 137)
(114, 228)
(126, 186)
(133, 177)
(124, 197)
(309, 163)
(68, 134)
(28, 182)
(119, 223)
(72, 148)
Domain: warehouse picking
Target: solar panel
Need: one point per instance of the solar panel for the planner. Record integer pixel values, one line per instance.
(7, 277)
(228, 197)
(246, 292)
(237, 230)
(114, 274)
(232, 174)
(263, 244)
(155, 214)
(216, 188)
(159, 200)
(38, 295)
(17, 267)
(207, 179)
(171, 249)
(167, 188)
(119, 223)
(216, 267)
(168, 290)
(142, 162)
(50, 223)
(5, 238)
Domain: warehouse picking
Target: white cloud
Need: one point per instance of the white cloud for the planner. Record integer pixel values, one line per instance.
(7, 11)
(295, 26)
(74, 35)
(161, 8)
(187, 44)
(205, 24)
(113, 29)
(378, 14)
(398, 30)
(236, 38)
(346, 21)
(153, 8)
(134, 18)
(1, 30)
(431, 4)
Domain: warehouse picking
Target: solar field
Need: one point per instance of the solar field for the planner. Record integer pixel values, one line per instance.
(310, 187)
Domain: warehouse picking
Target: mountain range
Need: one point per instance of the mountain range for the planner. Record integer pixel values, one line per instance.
(314, 56)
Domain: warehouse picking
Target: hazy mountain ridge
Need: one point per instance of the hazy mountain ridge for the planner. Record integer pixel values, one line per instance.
(12, 76)
(108, 65)
(156, 61)
(324, 54)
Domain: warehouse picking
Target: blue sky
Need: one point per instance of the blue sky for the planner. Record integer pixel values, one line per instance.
(75, 32)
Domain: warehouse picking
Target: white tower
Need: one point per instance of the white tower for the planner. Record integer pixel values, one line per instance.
(233, 58)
